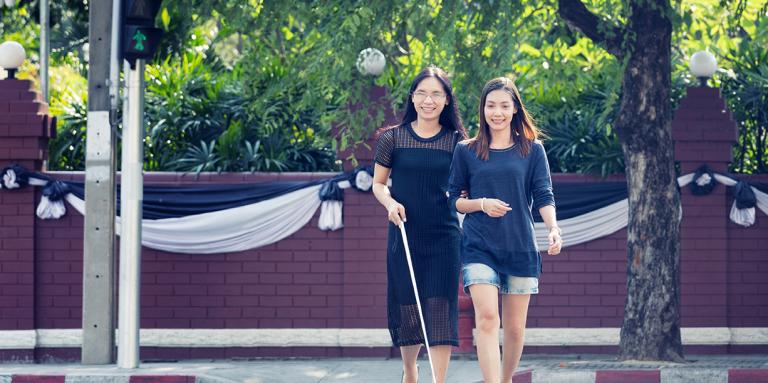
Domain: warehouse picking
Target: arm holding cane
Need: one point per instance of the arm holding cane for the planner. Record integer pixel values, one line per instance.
(395, 210)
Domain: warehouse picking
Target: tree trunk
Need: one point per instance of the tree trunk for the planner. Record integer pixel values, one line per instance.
(651, 329)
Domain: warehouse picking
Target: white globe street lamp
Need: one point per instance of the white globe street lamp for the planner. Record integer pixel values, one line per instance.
(371, 61)
(703, 65)
(12, 55)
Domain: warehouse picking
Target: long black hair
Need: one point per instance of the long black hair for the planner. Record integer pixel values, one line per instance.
(449, 117)
(523, 130)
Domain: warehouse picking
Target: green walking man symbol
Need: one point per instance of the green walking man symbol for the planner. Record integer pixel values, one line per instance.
(139, 38)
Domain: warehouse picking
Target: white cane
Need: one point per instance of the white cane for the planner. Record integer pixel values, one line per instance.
(418, 301)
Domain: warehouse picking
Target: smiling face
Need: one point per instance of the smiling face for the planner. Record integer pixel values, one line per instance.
(499, 109)
(429, 99)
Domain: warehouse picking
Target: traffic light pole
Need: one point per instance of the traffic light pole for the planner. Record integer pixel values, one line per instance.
(131, 196)
(98, 345)
(138, 42)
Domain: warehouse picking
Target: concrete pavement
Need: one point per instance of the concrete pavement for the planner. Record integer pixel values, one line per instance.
(549, 369)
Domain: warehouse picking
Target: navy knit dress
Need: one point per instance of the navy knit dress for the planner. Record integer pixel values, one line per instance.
(420, 169)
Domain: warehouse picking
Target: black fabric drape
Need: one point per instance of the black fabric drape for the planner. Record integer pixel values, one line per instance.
(160, 202)
(574, 199)
(179, 201)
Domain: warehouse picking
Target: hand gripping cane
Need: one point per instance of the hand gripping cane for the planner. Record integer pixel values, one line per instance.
(418, 301)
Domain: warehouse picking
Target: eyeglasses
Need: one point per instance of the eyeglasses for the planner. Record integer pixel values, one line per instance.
(419, 96)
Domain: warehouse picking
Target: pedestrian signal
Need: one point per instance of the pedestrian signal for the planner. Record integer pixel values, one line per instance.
(140, 37)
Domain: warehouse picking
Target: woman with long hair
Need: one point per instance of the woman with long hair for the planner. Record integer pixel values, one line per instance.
(417, 155)
(504, 168)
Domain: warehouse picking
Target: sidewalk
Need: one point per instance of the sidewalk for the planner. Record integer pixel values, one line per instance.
(549, 369)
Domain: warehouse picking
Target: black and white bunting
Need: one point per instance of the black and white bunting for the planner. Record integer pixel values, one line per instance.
(214, 219)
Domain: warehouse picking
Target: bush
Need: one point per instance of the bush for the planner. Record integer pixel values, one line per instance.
(746, 92)
(199, 118)
(577, 120)
(202, 119)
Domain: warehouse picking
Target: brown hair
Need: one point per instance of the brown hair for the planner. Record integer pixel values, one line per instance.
(524, 131)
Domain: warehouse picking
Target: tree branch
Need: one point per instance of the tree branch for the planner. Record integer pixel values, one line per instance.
(579, 18)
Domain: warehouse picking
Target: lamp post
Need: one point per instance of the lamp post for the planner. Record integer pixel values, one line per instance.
(703, 65)
(371, 61)
(45, 47)
(12, 55)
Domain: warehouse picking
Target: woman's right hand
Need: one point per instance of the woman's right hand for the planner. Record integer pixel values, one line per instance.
(396, 213)
(495, 207)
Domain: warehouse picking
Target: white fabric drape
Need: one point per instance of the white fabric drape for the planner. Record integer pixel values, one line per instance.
(230, 230)
(266, 222)
(330, 216)
(587, 227)
(612, 218)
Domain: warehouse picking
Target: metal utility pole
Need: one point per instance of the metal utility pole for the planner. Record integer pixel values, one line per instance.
(131, 197)
(114, 63)
(45, 46)
(99, 247)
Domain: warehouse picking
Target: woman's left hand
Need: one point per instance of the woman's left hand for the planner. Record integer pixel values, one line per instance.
(555, 241)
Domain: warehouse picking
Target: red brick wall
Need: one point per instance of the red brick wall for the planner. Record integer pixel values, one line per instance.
(704, 259)
(317, 279)
(703, 129)
(585, 285)
(24, 131)
(747, 269)
(312, 279)
(16, 260)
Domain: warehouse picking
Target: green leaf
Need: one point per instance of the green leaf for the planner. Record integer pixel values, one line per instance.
(165, 18)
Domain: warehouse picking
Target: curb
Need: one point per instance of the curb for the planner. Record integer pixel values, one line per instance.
(664, 375)
(669, 375)
(98, 378)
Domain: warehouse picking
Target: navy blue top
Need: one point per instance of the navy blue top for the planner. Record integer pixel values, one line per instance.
(507, 244)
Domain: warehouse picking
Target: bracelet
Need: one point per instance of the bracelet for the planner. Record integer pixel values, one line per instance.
(482, 203)
(559, 230)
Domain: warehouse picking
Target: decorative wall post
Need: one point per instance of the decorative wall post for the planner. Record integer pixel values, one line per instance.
(704, 133)
(25, 128)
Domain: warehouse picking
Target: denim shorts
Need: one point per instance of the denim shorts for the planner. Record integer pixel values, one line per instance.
(478, 273)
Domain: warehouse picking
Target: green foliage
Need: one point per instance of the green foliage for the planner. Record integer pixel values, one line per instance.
(68, 30)
(306, 53)
(308, 50)
(745, 86)
(186, 103)
(200, 158)
(68, 103)
(67, 150)
(578, 124)
(266, 86)
(197, 119)
(202, 119)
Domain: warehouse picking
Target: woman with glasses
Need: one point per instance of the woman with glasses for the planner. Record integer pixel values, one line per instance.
(417, 155)
(504, 168)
